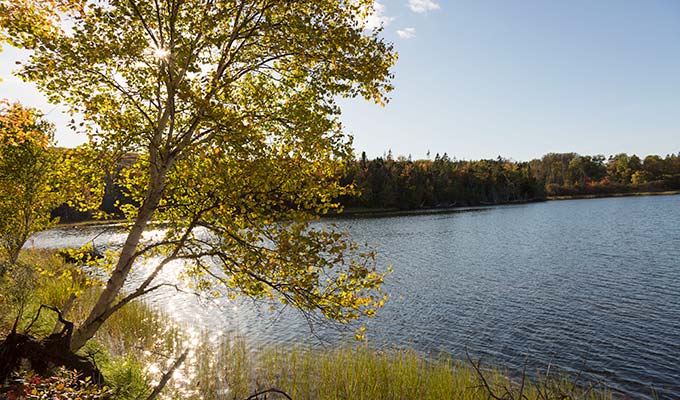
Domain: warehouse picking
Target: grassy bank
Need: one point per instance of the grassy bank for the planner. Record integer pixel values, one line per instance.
(120, 349)
(360, 372)
(138, 344)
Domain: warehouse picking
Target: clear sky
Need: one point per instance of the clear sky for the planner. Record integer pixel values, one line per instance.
(516, 78)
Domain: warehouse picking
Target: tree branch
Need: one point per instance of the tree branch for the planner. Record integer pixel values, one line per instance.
(143, 21)
(167, 375)
(254, 396)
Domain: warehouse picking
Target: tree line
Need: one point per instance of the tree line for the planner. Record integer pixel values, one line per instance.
(443, 182)
(573, 174)
(402, 183)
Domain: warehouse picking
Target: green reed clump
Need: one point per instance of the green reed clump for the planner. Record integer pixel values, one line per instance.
(359, 372)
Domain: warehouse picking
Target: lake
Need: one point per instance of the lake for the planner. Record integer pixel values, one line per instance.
(571, 283)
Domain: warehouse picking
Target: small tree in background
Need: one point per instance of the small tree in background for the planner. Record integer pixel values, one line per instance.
(36, 177)
(30, 186)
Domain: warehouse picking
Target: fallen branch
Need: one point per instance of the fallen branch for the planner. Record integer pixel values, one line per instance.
(548, 387)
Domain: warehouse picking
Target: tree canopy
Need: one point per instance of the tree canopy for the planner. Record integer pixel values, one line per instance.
(231, 106)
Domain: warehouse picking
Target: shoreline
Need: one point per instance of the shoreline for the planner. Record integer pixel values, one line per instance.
(393, 212)
(379, 213)
(606, 195)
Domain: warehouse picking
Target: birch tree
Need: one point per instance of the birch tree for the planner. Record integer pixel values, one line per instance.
(232, 108)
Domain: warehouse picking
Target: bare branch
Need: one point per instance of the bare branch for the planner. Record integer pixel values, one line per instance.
(167, 375)
(477, 367)
(254, 396)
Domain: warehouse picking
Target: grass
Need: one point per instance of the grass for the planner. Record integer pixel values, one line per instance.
(359, 372)
(138, 344)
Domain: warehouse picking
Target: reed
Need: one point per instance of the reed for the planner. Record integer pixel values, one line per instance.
(360, 372)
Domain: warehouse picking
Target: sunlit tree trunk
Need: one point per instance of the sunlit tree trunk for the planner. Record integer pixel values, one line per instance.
(103, 308)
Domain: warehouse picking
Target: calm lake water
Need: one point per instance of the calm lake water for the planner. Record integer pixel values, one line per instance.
(571, 283)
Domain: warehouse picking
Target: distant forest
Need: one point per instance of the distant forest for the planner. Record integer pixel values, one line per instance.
(399, 183)
(405, 184)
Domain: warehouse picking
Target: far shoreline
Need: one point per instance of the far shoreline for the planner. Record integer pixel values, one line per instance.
(606, 195)
(387, 212)
(380, 213)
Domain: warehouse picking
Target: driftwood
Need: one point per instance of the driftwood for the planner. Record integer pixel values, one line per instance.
(44, 354)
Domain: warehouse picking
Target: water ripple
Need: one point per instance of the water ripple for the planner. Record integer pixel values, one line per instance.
(559, 282)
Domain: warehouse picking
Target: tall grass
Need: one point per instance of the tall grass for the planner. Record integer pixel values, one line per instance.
(356, 372)
(138, 344)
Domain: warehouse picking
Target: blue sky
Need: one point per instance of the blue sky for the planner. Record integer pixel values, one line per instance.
(522, 78)
(516, 78)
